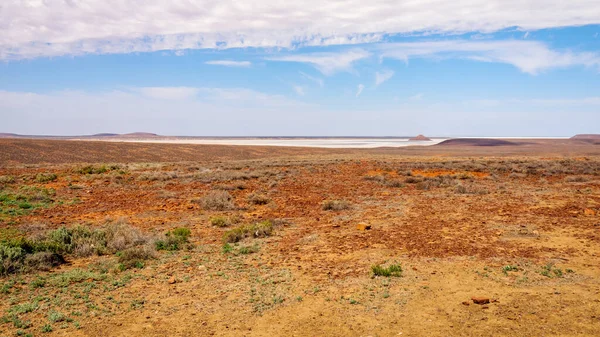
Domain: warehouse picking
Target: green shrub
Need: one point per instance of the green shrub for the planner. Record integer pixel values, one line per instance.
(45, 177)
(174, 240)
(391, 270)
(134, 257)
(257, 230)
(220, 221)
(11, 258)
(7, 179)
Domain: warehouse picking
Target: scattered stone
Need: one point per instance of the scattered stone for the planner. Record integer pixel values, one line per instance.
(485, 307)
(589, 211)
(466, 303)
(335, 225)
(363, 227)
(172, 280)
(480, 300)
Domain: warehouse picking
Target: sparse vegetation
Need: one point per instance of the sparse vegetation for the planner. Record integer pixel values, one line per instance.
(217, 201)
(389, 271)
(45, 177)
(258, 199)
(335, 205)
(257, 230)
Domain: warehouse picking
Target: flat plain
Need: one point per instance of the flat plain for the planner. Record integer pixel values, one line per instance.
(122, 239)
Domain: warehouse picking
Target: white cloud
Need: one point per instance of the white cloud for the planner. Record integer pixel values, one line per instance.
(39, 28)
(383, 76)
(359, 89)
(168, 93)
(299, 90)
(327, 63)
(227, 63)
(319, 81)
(529, 56)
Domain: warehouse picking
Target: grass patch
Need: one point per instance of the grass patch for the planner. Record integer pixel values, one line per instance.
(257, 230)
(174, 240)
(45, 177)
(258, 199)
(391, 270)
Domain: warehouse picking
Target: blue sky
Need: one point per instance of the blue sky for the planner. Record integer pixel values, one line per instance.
(389, 68)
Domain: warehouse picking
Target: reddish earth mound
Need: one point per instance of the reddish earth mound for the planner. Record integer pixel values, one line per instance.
(477, 142)
(588, 138)
(420, 138)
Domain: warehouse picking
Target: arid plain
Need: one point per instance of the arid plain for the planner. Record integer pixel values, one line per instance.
(461, 239)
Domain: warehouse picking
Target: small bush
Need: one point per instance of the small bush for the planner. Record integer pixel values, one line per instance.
(134, 257)
(7, 179)
(257, 230)
(258, 199)
(174, 240)
(43, 261)
(11, 258)
(45, 177)
(217, 201)
(391, 270)
(220, 221)
(91, 169)
(335, 205)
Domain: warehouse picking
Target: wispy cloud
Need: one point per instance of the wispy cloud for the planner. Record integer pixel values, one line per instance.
(168, 93)
(228, 63)
(359, 90)
(327, 63)
(299, 90)
(529, 56)
(417, 97)
(53, 28)
(319, 81)
(383, 76)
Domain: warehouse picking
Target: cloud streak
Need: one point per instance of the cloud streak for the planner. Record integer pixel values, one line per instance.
(228, 63)
(359, 89)
(53, 28)
(383, 76)
(327, 63)
(529, 56)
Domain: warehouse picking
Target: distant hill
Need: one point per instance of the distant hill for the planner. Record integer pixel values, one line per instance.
(587, 138)
(139, 135)
(9, 135)
(477, 142)
(420, 138)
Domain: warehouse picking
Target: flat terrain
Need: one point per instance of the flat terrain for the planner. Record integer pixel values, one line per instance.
(298, 241)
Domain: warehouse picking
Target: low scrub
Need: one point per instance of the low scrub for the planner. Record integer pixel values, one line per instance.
(258, 199)
(47, 251)
(217, 201)
(335, 205)
(45, 177)
(257, 230)
(176, 239)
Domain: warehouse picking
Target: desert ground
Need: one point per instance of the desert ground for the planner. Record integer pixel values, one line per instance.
(466, 238)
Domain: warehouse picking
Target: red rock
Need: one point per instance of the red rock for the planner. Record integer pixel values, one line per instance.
(172, 280)
(363, 227)
(480, 300)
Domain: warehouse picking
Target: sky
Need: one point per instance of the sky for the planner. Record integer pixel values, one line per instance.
(304, 68)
